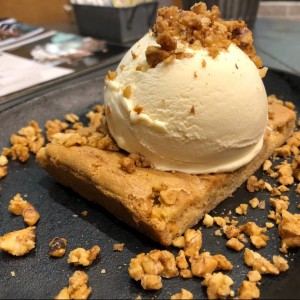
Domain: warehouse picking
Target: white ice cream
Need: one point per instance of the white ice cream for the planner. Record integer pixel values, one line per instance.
(195, 119)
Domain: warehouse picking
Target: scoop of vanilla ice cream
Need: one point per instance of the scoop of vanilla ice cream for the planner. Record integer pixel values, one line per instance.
(194, 115)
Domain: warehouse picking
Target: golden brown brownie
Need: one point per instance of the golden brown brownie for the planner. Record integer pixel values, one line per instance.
(162, 205)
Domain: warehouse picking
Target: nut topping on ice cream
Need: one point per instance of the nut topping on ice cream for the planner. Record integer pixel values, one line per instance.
(191, 98)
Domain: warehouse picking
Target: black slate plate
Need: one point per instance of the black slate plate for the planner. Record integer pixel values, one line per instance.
(37, 276)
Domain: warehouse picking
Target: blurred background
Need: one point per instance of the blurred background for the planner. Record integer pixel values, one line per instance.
(61, 11)
(86, 36)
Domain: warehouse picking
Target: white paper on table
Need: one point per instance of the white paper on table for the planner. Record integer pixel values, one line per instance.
(17, 73)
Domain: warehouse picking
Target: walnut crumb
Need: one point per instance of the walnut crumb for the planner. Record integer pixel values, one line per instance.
(192, 242)
(289, 230)
(127, 164)
(20, 242)
(248, 290)
(254, 275)
(255, 233)
(205, 263)
(208, 220)
(118, 247)
(184, 294)
(280, 263)
(77, 289)
(83, 257)
(19, 206)
(84, 213)
(242, 209)
(235, 244)
(254, 202)
(218, 285)
(72, 118)
(57, 247)
(218, 232)
(151, 267)
(257, 262)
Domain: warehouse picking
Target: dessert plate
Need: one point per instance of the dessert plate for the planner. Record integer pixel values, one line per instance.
(38, 276)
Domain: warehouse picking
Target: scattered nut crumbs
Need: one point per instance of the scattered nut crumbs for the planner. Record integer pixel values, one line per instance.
(77, 289)
(80, 256)
(288, 223)
(57, 247)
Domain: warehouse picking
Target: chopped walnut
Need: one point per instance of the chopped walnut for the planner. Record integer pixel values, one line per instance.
(83, 257)
(289, 230)
(242, 209)
(255, 232)
(19, 206)
(218, 232)
(184, 294)
(252, 184)
(285, 172)
(280, 263)
(118, 247)
(205, 263)
(248, 290)
(19, 152)
(231, 231)
(218, 285)
(127, 164)
(132, 161)
(262, 204)
(254, 275)
(18, 242)
(296, 167)
(279, 206)
(181, 261)
(54, 126)
(208, 220)
(178, 242)
(57, 247)
(269, 225)
(183, 265)
(254, 202)
(199, 28)
(221, 221)
(235, 244)
(3, 172)
(192, 242)
(139, 160)
(3, 161)
(257, 262)
(151, 267)
(77, 289)
(72, 118)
